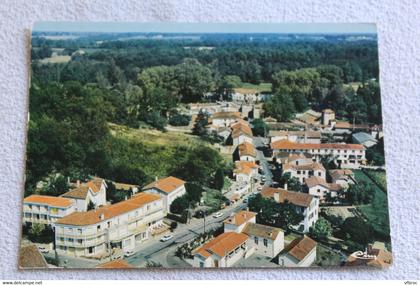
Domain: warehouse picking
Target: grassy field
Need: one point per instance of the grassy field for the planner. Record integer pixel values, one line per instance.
(354, 85)
(262, 87)
(376, 213)
(326, 257)
(56, 59)
(378, 176)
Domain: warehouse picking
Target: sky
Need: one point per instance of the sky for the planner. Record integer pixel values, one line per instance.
(132, 27)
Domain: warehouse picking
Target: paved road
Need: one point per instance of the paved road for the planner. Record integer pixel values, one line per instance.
(163, 252)
(258, 142)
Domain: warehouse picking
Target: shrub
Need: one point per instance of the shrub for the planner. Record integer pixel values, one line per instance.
(179, 120)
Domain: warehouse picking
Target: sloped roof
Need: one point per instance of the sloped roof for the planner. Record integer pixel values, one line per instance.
(77, 193)
(309, 134)
(30, 257)
(268, 192)
(246, 148)
(49, 200)
(244, 167)
(263, 231)
(314, 180)
(222, 244)
(124, 186)
(94, 216)
(240, 218)
(226, 115)
(299, 248)
(167, 184)
(115, 264)
(311, 166)
(295, 198)
(340, 173)
(285, 144)
(363, 137)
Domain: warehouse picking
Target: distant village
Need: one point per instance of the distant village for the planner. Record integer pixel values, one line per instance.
(86, 226)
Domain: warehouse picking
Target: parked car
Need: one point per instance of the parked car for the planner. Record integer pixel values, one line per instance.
(43, 249)
(166, 237)
(128, 253)
(246, 200)
(259, 188)
(217, 215)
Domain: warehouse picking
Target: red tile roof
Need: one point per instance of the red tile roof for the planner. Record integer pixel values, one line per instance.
(300, 248)
(167, 184)
(295, 198)
(246, 148)
(49, 200)
(245, 167)
(311, 166)
(222, 244)
(240, 218)
(288, 145)
(314, 180)
(115, 264)
(94, 216)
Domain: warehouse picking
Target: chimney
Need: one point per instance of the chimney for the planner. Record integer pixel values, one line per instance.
(102, 217)
(285, 186)
(78, 183)
(156, 178)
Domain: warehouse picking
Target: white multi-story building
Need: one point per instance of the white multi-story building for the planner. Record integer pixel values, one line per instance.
(304, 171)
(305, 204)
(44, 209)
(169, 188)
(93, 191)
(245, 171)
(101, 231)
(301, 252)
(295, 136)
(318, 187)
(345, 155)
(241, 133)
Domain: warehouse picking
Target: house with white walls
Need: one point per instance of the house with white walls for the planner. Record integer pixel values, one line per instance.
(169, 188)
(94, 190)
(43, 209)
(304, 171)
(301, 252)
(305, 204)
(245, 171)
(318, 187)
(117, 227)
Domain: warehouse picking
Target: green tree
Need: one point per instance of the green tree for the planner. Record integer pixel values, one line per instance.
(358, 230)
(91, 206)
(201, 122)
(180, 204)
(322, 229)
(219, 179)
(56, 185)
(360, 193)
(259, 127)
(280, 106)
(36, 230)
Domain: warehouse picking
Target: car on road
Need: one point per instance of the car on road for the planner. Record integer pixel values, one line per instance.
(43, 249)
(129, 253)
(246, 200)
(217, 215)
(259, 188)
(166, 237)
(263, 179)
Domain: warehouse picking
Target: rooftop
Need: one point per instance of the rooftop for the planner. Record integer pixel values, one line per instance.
(115, 264)
(245, 167)
(104, 213)
(314, 180)
(295, 198)
(222, 244)
(30, 257)
(49, 200)
(124, 186)
(167, 184)
(263, 231)
(246, 148)
(285, 144)
(363, 137)
(312, 166)
(299, 248)
(340, 173)
(309, 134)
(240, 218)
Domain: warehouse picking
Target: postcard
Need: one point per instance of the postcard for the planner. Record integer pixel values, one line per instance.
(180, 145)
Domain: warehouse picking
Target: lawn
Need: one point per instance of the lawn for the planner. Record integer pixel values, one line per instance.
(326, 257)
(153, 151)
(262, 87)
(379, 177)
(376, 213)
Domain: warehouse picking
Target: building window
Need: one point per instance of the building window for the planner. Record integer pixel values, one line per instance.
(265, 242)
(201, 264)
(319, 173)
(79, 231)
(256, 240)
(298, 172)
(98, 227)
(79, 241)
(109, 224)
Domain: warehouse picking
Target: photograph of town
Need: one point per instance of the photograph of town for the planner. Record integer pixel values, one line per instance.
(204, 146)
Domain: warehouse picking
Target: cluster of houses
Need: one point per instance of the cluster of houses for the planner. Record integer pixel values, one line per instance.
(242, 237)
(108, 228)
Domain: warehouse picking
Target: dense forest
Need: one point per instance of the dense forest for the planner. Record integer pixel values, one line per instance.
(143, 82)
